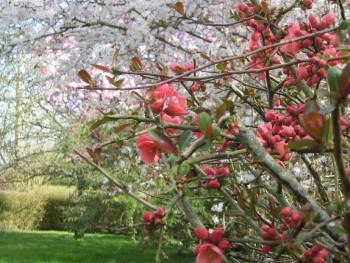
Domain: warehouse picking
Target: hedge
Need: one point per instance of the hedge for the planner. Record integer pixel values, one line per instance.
(41, 208)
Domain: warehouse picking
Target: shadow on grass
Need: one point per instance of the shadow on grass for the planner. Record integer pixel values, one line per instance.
(60, 247)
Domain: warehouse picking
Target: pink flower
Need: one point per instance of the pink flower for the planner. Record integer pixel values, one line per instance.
(254, 41)
(196, 86)
(327, 20)
(281, 148)
(293, 32)
(302, 73)
(166, 99)
(149, 151)
(271, 115)
(343, 123)
(171, 120)
(307, 3)
(243, 7)
(287, 131)
(314, 22)
(209, 253)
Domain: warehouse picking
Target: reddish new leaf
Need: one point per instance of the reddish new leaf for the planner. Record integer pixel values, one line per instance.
(313, 124)
(122, 127)
(179, 7)
(136, 64)
(95, 154)
(102, 68)
(85, 76)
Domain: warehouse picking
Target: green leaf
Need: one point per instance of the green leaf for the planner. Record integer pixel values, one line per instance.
(344, 82)
(217, 132)
(327, 133)
(100, 122)
(162, 141)
(302, 144)
(184, 168)
(345, 24)
(204, 122)
(333, 79)
(205, 56)
(221, 66)
(184, 139)
(119, 83)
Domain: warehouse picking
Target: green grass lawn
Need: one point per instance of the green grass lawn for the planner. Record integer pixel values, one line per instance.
(60, 247)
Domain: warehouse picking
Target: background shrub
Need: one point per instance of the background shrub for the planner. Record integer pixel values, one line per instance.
(39, 208)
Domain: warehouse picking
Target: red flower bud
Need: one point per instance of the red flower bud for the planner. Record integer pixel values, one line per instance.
(347, 171)
(308, 254)
(213, 184)
(327, 20)
(209, 170)
(265, 249)
(271, 115)
(158, 222)
(314, 22)
(265, 227)
(160, 212)
(297, 217)
(307, 3)
(217, 234)
(286, 212)
(302, 73)
(270, 234)
(224, 244)
(322, 253)
(222, 171)
(318, 260)
(201, 233)
(196, 86)
(243, 7)
(147, 217)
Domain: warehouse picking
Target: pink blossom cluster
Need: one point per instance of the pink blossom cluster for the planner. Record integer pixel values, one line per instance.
(215, 175)
(212, 246)
(316, 254)
(170, 105)
(261, 35)
(279, 130)
(318, 49)
(153, 219)
(291, 219)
